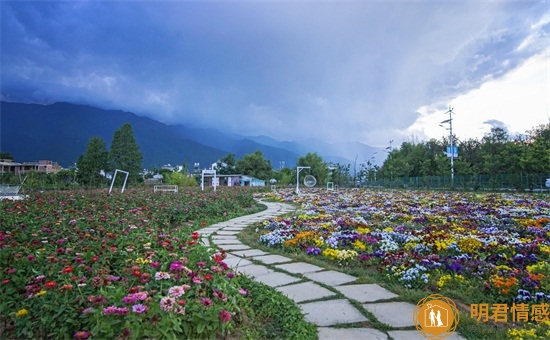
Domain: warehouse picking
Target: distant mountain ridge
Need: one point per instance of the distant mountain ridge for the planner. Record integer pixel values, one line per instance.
(61, 131)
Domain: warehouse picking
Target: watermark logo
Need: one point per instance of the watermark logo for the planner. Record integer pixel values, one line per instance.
(436, 317)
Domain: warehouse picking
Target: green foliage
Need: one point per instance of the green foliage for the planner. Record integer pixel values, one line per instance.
(5, 155)
(255, 165)
(496, 153)
(180, 179)
(227, 165)
(92, 162)
(124, 153)
(319, 169)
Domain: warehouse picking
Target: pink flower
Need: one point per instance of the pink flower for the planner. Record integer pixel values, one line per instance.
(176, 266)
(82, 335)
(224, 316)
(243, 291)
(167, 303)
(197, 280)
(109, 310)
(206, 302)
(220, 295)
(87, 310)
(176, 291)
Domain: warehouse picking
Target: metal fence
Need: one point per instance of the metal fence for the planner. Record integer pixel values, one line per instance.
(521, 182)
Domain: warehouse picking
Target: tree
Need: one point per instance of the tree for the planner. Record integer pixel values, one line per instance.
(92, 162)
(255, 165)
(6, 155)
(319, 169)
(227, 165)
(125, 154)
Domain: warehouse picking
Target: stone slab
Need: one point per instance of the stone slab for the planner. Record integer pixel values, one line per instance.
(227, 232)
(234, 228)
(328, 333)
(205, 242)
(277, 279)
(299, 267)
(255, 270)
(229, 247)
(365, 292)
(330, 277)
(226, 241)
(270, 259)
(305, 291)
(395, 314)
(249, 253)
(415, 335)
(237, 262)
(331, 312)
(224, 237)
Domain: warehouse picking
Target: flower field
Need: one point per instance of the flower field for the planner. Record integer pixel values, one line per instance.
(87, 264)
(481, 248)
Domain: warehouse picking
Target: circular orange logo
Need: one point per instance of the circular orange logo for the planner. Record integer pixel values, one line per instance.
(436, 317)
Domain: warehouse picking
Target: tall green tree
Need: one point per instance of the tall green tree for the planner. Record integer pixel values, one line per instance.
(227, 165)
(255, 165)
(125, 154)
(92, 162)
(319, 169)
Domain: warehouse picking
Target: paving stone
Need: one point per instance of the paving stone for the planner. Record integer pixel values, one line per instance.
(228, 232)
(327, 333)
(330, 277)
(365, 292)
(255, 270)
(331, 312)
(269, 259)
(395, 314)
(226, 241)
(415, 335)
(229, 247)
(224, 237)
(299, 267)
(249, 253)
(236, 262)
(305, 291)
(233, 228)
(205, 242)
(277, 279)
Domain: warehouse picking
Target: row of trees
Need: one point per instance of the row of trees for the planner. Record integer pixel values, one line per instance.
(495, 154)
(124, 154)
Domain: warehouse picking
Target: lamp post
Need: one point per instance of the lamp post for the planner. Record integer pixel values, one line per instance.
(450, 152)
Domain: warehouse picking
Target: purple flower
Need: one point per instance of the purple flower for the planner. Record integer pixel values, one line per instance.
(176, 266)
(206, 302)
(139, 308)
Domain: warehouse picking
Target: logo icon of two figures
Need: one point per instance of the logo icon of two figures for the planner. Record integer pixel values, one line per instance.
(435, 317)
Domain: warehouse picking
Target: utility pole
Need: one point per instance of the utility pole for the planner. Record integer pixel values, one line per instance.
(450, 152)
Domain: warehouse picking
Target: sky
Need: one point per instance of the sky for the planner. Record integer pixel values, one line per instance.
(362, 71)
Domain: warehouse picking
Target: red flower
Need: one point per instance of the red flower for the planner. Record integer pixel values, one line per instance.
(67, 270)
(95, 258)
(195, 235)
(50, 284)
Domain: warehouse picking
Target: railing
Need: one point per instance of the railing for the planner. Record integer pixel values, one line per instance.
(9, 190)
(498, 182)
(166, 188)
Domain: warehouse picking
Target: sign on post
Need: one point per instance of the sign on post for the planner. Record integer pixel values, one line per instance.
(452, 153)
(215, 180)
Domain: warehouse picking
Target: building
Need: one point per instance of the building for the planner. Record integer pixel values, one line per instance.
(233, 180)
(45, 166)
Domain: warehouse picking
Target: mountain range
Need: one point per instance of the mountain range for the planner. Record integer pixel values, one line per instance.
(61, 131)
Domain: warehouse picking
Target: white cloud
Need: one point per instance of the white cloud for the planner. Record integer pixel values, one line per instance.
(520, 100)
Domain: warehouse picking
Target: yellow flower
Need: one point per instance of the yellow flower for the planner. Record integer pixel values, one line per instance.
(40, 293)
(21, 312)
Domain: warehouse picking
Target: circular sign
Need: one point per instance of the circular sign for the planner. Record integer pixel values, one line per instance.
(309, 181)
(436, 317)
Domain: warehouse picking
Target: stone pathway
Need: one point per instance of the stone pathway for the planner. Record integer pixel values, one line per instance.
(318, 292)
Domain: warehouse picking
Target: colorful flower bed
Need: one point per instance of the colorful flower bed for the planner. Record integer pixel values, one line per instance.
(88, 264)
(497, 244)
